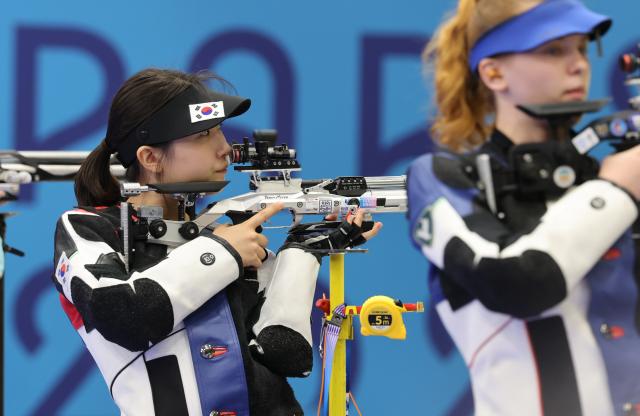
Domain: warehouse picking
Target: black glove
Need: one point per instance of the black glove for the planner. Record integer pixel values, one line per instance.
(331, 235)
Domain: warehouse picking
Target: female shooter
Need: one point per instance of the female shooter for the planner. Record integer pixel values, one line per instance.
(537, 289)
(212, 327)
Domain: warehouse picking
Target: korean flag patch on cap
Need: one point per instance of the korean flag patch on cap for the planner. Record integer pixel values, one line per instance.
(206, 111)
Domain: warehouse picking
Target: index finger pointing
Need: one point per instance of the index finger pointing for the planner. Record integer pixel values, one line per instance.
(264, 214)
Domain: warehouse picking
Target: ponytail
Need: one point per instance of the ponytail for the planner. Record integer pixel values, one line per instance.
(142, 95)
(94, 184)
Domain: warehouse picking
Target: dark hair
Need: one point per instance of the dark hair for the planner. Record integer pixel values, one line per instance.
(137, 99)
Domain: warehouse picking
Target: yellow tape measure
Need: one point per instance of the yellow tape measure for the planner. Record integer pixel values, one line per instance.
(382, 316)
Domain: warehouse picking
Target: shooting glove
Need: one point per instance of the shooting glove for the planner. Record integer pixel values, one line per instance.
(326, 236)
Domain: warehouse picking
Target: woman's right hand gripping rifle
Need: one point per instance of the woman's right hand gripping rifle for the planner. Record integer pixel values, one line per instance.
(243, 237)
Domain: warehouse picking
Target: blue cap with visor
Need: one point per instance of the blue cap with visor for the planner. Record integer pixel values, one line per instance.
(549, 20)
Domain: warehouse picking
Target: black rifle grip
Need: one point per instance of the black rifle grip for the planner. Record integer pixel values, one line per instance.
(238, 217)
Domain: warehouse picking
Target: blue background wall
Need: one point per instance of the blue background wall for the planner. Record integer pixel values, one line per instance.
(340, 80)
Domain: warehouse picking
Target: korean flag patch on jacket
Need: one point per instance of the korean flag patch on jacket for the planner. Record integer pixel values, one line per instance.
(63, 269)
(206, 111)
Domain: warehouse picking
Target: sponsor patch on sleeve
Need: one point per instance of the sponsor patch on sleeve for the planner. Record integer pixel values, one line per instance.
(424, 227)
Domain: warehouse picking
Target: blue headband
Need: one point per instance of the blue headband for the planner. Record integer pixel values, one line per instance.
(549, 20)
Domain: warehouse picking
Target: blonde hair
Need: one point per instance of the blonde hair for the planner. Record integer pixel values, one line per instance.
(463, 101)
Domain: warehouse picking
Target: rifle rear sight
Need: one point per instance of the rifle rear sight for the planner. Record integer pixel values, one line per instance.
(263, 154)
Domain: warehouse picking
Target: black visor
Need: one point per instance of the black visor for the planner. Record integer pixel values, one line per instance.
(192, 111)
